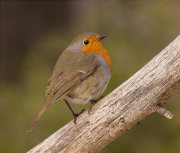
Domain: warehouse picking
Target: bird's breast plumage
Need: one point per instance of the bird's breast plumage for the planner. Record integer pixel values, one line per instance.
(93, 86)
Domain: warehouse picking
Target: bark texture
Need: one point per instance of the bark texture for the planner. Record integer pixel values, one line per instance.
(142, 94)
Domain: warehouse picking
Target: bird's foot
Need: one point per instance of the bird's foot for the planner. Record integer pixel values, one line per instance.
(76, 115)
(93, 102)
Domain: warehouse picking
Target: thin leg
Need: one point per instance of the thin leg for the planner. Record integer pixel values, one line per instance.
(75, 115)
(70, 108)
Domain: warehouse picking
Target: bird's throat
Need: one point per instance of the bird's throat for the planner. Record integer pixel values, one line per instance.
(98, 48)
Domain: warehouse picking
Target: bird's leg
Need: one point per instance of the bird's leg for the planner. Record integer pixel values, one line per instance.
(74, 114)
(93, 102)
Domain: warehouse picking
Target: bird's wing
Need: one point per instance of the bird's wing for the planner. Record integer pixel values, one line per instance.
(67, 73)
(71, 74)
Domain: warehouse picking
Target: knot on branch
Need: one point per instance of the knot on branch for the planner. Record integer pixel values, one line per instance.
(163, 111)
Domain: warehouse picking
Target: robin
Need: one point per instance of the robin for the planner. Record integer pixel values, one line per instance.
(81, 74)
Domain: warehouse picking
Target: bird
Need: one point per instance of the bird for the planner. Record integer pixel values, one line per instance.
(81, 74)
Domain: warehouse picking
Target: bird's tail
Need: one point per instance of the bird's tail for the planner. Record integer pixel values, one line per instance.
(41, 111)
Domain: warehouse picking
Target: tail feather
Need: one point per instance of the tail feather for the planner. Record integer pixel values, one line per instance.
(41, 111)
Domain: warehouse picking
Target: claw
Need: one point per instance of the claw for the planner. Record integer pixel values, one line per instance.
(93, 102)
(76, 115)
(75, 119)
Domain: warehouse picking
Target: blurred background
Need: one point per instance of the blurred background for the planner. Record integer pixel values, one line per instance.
(34, 34)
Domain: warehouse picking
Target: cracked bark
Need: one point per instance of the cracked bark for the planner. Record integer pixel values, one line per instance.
(144, 93)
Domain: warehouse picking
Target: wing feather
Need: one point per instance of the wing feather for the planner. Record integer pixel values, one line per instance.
(71, 75)
(67, 75)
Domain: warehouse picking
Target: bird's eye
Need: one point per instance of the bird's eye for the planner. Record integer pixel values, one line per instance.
(86, 42)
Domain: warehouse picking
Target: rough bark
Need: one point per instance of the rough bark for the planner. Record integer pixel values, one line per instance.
(142, 94)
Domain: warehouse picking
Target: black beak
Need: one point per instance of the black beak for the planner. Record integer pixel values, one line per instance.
(101, 37)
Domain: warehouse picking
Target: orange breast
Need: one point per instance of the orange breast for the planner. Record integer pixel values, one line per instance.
(97, 48)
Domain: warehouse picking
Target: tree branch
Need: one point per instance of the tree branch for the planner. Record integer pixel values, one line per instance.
(142, 94)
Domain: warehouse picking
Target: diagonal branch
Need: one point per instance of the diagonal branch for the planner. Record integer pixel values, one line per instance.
(142, 94)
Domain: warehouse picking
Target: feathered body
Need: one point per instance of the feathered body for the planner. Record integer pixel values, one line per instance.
(81, 73)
